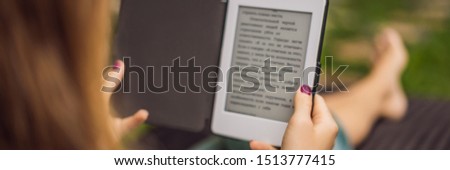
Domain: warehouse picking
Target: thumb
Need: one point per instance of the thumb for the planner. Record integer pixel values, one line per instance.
(303, 103)
(321, 114)
(322, 118)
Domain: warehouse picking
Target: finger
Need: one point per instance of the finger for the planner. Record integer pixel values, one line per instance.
(320, 111)
(133, 121)
(303, 103)
(321, 116)
(115, 76)
(257, 145)
(121, 67)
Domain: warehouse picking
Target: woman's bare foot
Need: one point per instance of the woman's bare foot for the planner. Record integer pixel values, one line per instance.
(390, 63)
(391, 53)
(395, 105)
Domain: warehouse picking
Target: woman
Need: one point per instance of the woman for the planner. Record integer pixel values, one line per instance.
(53, 51)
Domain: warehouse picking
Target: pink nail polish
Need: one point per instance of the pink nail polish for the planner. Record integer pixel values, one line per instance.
(117, 64)
(306, 89)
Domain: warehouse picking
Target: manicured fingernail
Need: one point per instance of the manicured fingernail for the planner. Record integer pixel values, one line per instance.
(306, 89)
(117, 64)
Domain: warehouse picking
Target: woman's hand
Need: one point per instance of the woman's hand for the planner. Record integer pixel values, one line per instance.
(309, 128)
(123, 126)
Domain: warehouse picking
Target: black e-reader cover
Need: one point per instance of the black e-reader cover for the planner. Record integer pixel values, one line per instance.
(157, 33)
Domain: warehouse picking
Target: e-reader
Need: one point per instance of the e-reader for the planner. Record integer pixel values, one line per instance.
(269, 49)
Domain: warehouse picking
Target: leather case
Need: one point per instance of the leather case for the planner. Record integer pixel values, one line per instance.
(156, 32)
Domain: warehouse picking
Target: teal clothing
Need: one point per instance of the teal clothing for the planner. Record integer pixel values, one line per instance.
(341, 142)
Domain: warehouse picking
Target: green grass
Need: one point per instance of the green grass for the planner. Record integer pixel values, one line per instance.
(428, 71)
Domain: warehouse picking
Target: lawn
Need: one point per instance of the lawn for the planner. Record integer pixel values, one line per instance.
(424, 24)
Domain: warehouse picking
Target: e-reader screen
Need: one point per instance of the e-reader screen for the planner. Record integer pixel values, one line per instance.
(269, 51)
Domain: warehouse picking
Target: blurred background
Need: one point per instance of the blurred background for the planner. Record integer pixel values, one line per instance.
(351, 26)
(424, 25)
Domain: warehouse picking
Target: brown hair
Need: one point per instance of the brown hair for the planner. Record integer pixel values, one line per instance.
(51, 56)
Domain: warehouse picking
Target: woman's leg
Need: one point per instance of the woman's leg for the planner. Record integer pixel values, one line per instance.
(378, 95)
